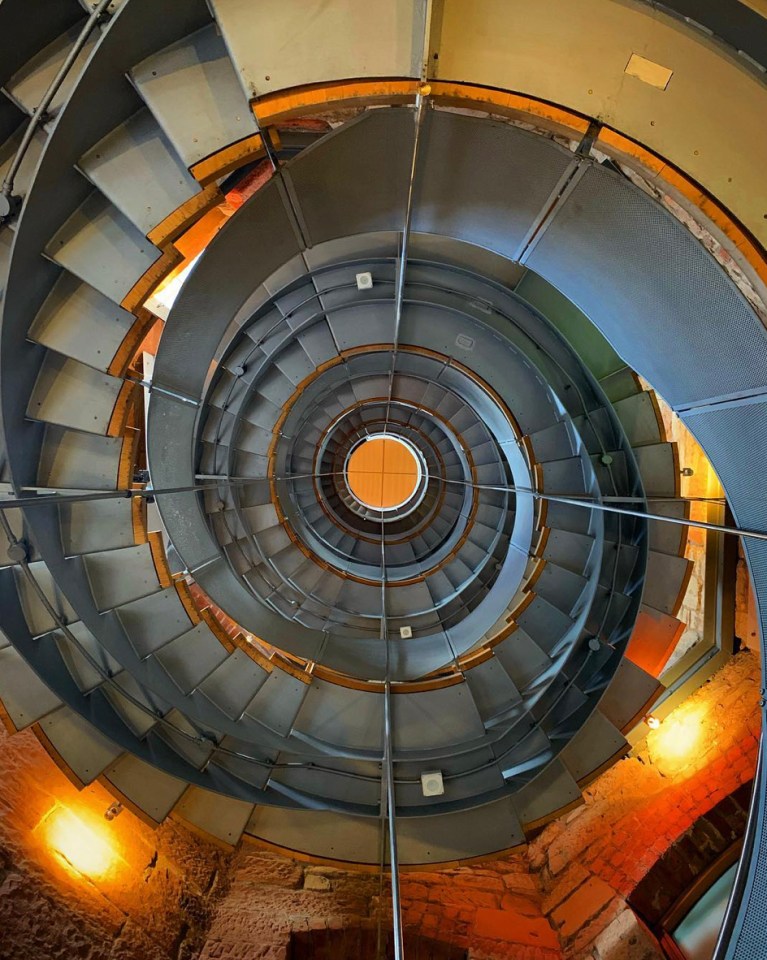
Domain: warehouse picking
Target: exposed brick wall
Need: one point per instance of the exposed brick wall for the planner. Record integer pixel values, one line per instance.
(697, 849)
(154, 904)
(176, 897)
(565, 896)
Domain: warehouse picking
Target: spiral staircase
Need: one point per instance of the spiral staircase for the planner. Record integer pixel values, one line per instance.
(397, 273)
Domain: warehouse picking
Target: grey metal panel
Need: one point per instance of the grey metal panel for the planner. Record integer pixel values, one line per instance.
(278, 701)
(192, 89)
(492, 688)
(326, 834)
(28, 85)
(522, 658)
(349, 718)
(218, 286)
(23, 694)
(136, 167)
(234, 684)
(119, 576)
(37, 616)
(25, 36)
(594, 744)
(668, 537)
(639, 417)
(102, 247)
(552, 789)
(346, 39)
(152, 621)
(26, 171)
(435, 718)
(192, 656)
(70, 394)
(96, 525)
(148, 788)
(85, 750)
(502, 174)
(80, 656)
(631, 690)
(570, 550)
(453, 836)
(735, 439)
(78, 321)
(71, 460)
(355, 179)
(658, 466)
(644, 280)
(222, 817)
(664, 579)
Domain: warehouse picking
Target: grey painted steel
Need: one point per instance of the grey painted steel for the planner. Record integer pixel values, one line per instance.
(192, 89)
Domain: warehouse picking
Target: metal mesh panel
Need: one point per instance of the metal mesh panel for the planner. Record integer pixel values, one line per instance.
(735, 440)
(485, 182)
(645, 281)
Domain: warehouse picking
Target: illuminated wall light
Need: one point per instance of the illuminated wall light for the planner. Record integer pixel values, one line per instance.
(678, 738)
(652, 722)
(84, 849)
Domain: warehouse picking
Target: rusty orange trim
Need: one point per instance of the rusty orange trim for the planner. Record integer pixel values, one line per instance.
(184, 216)
(185, 596)
(236, 155)
(131, 343)
(138, 519)
(5, 720)
(54, 754)
(751, 249)
(503, 101)
(539, 565)
(325, 96)
(476, 657)
(159, 558)
(217, 630)
(127, 459)
(118, 420)
(148, 283)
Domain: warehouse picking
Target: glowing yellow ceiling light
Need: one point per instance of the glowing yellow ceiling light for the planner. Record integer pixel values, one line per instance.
(83, 848)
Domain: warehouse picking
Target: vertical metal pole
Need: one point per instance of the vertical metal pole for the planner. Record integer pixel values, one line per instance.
(399, 952)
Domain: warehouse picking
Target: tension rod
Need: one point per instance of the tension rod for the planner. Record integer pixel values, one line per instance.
(608, 507)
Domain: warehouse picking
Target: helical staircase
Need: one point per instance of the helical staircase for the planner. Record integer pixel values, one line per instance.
(228, 656)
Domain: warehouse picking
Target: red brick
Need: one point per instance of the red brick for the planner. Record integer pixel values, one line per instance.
(510, 927)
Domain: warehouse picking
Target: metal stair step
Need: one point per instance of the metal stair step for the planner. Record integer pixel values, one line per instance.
(96, 525)
(85, 751)
(73, 460)
(80, 322)
(233, 684)
(29, 84)
(70, 394)
(118, 576)
(640, 418)
(148, 791)
(224, 818)
(137, 169)
(192, 89)
(25, 698)
(101, 246)
(193, 656)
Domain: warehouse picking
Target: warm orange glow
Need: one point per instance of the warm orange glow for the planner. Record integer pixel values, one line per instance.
(678, 738)
(653, 723)
(84, 848)
(382, 473)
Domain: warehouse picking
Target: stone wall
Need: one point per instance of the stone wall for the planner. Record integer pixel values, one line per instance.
(149, 895)
(565, 896)
(168, 895)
